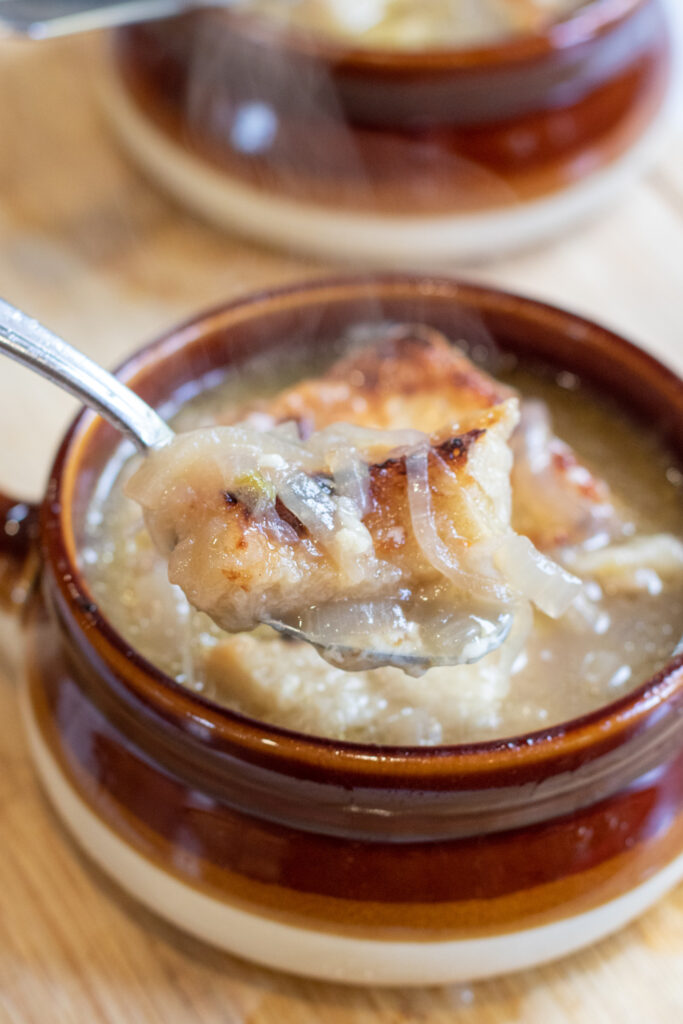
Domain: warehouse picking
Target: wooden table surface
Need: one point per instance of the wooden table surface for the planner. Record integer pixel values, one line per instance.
(87, 245)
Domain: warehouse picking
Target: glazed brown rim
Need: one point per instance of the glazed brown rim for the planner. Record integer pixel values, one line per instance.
(579, 27)
(190, 712)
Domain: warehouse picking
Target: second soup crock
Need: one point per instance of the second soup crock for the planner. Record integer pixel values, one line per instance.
(391, 155)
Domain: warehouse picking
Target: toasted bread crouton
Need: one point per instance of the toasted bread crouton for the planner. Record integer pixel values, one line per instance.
(413, 378)
(256, 546)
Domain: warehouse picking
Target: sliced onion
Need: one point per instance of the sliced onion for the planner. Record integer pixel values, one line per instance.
(428, 539)
(285, 461)
(293, 451)
(547, 494)
(347, 450)
(311, 503)
(531, 440)
(365, 439)
(551, 588)
(351, 475)
(661, 553)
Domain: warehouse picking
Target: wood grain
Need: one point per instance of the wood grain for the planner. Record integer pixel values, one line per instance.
(90, 247)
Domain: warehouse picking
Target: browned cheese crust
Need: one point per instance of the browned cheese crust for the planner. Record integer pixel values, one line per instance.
(414, 378)
(411, 378)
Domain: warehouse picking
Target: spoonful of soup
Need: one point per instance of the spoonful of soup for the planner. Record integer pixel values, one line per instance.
(378, 546)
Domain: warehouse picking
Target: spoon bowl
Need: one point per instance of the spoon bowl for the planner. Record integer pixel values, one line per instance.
(482, 637)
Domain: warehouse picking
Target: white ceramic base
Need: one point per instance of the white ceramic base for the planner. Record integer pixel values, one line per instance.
(382, 239)
(321, 954)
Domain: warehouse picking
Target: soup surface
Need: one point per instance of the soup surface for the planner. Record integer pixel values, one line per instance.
(415, 24)
(622, 629)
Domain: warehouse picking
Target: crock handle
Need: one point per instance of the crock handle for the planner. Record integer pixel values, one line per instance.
(18, 551)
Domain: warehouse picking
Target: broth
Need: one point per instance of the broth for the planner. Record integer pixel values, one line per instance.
(563, 669)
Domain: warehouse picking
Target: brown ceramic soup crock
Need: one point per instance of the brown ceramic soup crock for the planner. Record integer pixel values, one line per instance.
(325, 858)
(435, 135)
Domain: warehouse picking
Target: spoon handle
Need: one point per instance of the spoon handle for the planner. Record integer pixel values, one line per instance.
(28, 342)
(42, 19)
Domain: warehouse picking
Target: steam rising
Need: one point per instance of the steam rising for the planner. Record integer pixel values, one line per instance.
(294, 133)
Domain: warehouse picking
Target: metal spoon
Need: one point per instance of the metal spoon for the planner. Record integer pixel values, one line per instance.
(27, 342)
(45, 19)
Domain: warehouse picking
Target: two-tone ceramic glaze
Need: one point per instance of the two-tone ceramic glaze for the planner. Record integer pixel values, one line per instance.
(238, 117)
(323, 858)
